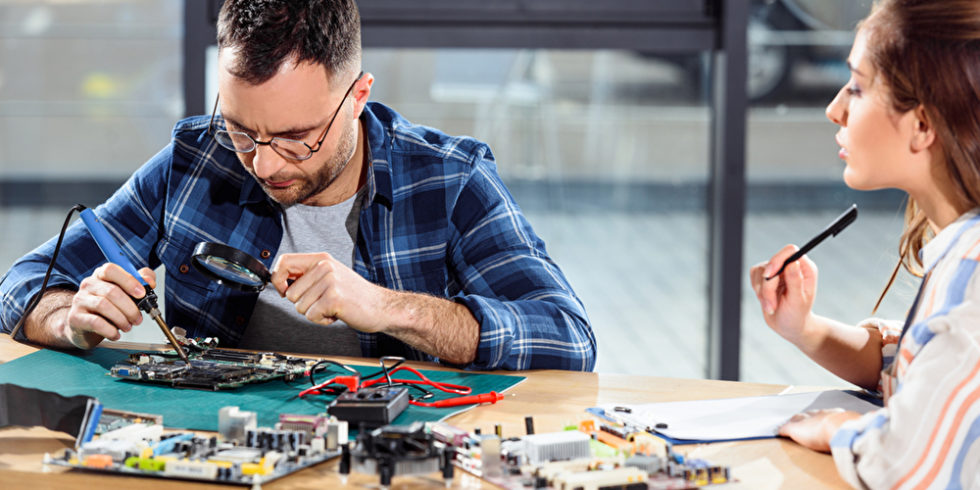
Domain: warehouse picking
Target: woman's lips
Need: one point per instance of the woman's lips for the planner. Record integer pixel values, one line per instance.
(843, 150)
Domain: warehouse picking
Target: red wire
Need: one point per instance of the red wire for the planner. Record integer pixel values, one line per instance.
(346, 381)
(446, 387)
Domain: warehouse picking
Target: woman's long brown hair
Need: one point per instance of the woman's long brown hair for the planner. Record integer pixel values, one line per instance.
(927, 53)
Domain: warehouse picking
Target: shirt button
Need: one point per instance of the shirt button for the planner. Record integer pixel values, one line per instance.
(266, 254)
(183, 268)
(240, 320)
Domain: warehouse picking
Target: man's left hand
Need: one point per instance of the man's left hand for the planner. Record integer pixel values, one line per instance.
(325, 290)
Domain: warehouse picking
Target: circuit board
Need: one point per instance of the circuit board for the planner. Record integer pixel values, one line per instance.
(196, 458)
(587, 457)
(210, 369)
(240, 454)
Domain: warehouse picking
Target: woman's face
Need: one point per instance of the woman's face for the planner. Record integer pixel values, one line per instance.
(874, 139)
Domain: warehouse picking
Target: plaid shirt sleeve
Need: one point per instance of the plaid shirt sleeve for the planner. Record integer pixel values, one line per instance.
(529, 316)
(441, 221)
(129, 216)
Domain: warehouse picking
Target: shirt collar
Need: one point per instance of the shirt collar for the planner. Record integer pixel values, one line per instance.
(379, 185)
(251, 191)
(941, 244)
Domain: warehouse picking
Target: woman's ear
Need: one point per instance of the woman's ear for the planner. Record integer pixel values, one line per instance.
(923, 132)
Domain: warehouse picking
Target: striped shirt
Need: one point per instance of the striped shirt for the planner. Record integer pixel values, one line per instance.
(926, 436)
(438, 220)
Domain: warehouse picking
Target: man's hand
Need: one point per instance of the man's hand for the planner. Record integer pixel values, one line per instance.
(815, 428)
(325, 290)
(103, 307)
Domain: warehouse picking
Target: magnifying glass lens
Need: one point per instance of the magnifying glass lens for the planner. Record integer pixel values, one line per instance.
(230, 267)
(229, 271)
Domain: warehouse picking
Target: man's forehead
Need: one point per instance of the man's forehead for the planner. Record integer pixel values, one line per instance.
(289, 101)
(228, 66)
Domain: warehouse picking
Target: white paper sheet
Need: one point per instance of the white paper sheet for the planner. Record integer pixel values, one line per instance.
(732, 418)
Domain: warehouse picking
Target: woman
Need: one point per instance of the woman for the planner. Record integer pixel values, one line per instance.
(909, 118)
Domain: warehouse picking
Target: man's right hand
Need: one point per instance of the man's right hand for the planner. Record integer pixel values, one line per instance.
(103, 307)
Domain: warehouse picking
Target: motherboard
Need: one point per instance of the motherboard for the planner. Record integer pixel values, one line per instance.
(210, 369)
(240, 454)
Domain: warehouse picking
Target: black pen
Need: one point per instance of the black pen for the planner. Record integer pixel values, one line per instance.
(831, 230)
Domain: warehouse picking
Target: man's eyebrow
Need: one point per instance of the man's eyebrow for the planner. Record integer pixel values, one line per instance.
(854, 68)
(236, 123)
(285, 132)
(296, 130)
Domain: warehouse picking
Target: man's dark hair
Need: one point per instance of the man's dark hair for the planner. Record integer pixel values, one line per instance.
(267, 33)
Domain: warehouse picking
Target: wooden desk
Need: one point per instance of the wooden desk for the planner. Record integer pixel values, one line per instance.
(552, 397)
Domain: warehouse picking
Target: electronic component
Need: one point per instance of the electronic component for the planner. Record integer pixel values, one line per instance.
(112, 419)
(263, 454)
(373, 406)
(234, 423)
(397, 450)
(592, 474)
(448, 434)
(210, 369)
(490, 456)
(320, 429)
(577, 458)
(555, 446)
(336, 433)
(134, 432)
(312, 425)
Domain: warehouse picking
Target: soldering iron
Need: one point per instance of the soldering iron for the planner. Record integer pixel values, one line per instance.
(114, 254)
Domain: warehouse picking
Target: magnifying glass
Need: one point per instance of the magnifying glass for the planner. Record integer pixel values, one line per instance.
(230, 267)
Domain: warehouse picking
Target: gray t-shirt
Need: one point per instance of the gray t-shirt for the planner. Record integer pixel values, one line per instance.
(275, 323)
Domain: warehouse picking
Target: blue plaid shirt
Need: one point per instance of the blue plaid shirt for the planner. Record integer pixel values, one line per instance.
(438, 220)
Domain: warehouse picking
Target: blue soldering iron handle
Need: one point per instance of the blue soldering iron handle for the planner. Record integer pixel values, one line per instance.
(109, 247)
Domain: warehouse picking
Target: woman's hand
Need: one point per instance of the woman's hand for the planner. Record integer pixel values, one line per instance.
(815, 428)
(787, 299)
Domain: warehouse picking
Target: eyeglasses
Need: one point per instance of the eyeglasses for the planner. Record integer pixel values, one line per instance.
(240, 142)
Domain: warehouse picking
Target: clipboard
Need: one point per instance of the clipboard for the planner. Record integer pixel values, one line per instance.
(728, 419)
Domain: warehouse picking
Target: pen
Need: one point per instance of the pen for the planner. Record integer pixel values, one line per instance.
(115, 255)
(832, 229)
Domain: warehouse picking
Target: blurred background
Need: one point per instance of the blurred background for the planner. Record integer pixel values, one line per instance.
(607, 151)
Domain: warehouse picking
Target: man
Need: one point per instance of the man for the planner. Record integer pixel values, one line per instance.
(392, 238)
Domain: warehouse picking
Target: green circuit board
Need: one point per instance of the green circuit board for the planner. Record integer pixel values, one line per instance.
(210, 369)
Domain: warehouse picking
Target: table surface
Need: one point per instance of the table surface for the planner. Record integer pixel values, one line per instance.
(553, 397)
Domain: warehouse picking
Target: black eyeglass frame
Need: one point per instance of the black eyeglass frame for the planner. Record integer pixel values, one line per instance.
(256, 143)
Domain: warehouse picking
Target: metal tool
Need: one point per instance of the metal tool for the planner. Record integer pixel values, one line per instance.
(114, 254)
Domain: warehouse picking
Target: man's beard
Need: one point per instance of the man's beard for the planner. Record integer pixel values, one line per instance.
(307, 187)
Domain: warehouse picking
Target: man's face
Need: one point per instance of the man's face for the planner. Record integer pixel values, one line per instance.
(297, 103)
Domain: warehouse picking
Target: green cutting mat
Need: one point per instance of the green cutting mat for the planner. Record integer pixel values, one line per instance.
(85, 373)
